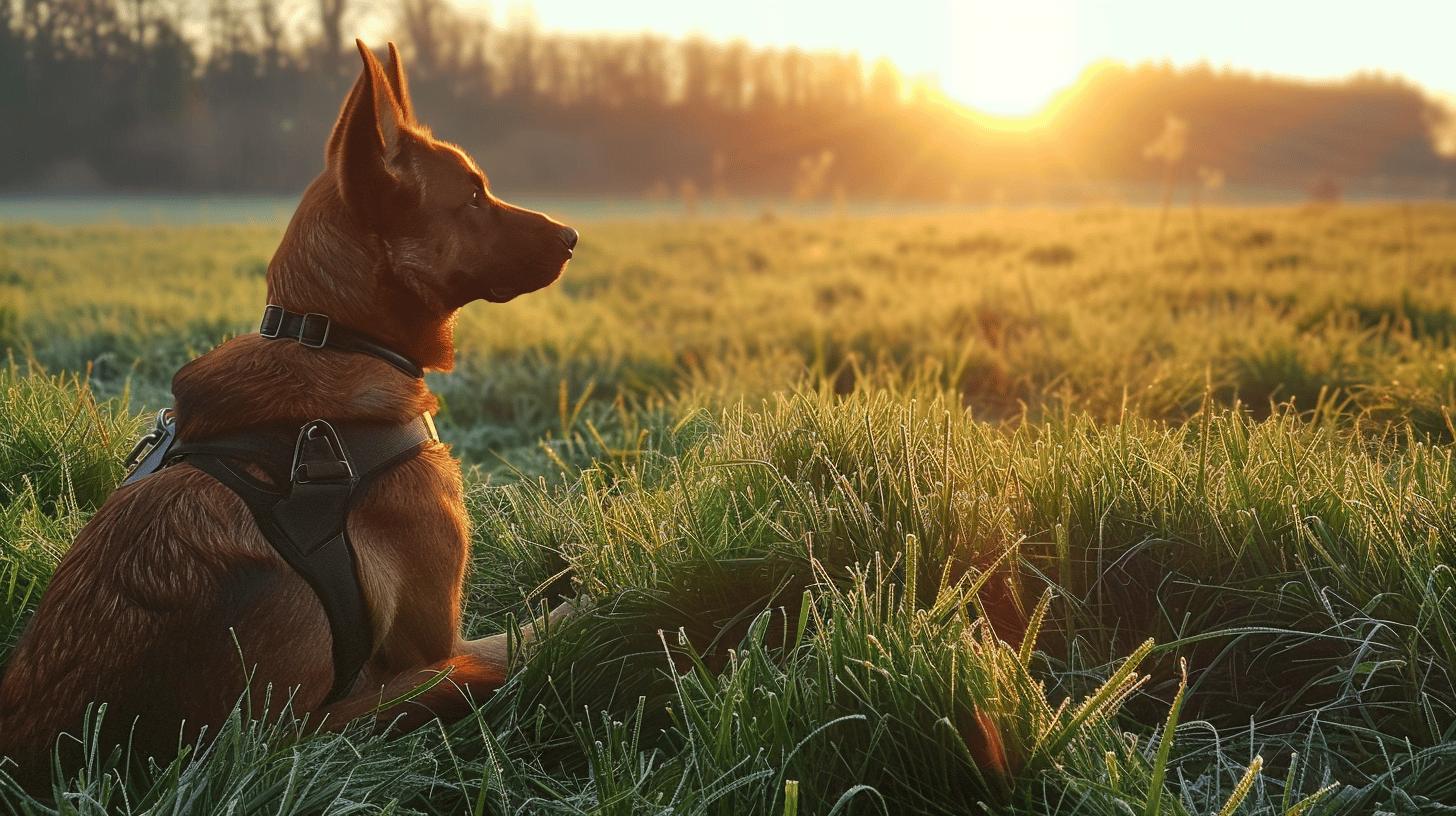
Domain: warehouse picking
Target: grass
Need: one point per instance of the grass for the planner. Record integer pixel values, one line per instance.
(1003, 513)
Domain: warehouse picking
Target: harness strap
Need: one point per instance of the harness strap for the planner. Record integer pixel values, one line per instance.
(318, 551)
(304, 512)
(372, 446)
(318, 331)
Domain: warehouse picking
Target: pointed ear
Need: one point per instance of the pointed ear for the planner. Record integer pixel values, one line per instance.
(336, 137)
(397, 81)
(364, 148)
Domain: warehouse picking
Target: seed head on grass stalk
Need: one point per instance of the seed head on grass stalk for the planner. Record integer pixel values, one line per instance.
(1168, 147)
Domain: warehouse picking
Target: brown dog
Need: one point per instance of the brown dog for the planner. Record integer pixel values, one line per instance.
(171, 603)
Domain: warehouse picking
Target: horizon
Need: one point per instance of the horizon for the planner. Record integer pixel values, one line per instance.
(957, 103)
(967, 48)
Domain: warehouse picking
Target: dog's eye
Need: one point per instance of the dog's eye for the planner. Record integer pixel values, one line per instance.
(475, 197)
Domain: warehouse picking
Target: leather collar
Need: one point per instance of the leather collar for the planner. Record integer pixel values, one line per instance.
(317, 331)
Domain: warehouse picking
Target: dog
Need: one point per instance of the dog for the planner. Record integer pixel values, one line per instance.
(171, 605)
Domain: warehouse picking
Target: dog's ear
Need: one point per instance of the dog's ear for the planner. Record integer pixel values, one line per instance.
(364, 149)
(336, 136)
(399, 84)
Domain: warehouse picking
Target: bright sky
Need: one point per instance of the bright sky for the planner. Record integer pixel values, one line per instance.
(1008, 57)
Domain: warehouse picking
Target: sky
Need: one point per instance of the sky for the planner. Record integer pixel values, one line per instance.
(1010, 57)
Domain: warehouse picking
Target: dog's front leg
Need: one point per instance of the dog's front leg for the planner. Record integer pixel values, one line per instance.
(494, 650)
(476, 668)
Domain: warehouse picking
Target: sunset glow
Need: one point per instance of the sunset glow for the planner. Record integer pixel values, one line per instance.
(1009, 60)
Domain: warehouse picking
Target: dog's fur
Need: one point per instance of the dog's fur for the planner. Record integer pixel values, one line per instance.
(170, 603)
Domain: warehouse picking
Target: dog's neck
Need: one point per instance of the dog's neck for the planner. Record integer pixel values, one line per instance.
(328, 263)
(251, 381)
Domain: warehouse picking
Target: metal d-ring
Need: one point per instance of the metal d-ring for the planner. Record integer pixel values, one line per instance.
(336, 467)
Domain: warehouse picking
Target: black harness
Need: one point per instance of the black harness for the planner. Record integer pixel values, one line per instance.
(315, 474)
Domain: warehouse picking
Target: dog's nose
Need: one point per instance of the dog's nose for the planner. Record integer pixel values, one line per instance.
(568, 237)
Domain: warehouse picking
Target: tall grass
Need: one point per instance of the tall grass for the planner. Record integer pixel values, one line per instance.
(830, 613)
(60, 456)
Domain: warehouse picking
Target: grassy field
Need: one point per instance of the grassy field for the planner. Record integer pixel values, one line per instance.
(1006, 512)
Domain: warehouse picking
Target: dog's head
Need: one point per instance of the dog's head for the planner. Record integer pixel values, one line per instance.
(401, 228)
(429, 203)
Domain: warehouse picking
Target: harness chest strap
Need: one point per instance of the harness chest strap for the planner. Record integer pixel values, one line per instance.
(303, 512)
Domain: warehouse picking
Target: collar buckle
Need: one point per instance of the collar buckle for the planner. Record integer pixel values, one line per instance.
(272, 323)
(313, 331)
(316, 330)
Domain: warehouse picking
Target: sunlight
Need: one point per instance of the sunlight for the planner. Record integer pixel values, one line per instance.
(1011, 60)
(1001, 123)
(1042, 116)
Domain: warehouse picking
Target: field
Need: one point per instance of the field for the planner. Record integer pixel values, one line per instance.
(1006, 512)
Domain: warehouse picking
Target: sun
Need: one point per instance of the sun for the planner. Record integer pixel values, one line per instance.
(1010, 60)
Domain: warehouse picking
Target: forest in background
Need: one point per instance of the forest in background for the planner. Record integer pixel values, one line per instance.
(238, 96)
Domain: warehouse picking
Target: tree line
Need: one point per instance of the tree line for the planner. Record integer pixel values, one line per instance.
(238, 95)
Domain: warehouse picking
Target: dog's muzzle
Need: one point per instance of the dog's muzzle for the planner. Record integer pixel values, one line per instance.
(569, 237)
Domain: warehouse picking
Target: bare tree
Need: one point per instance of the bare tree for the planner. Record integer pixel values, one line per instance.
(270, 30)
(331, 14)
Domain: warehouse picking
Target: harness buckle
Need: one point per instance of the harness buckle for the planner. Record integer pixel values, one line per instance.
(306, 333)
(272, 321)
(151, 450)
(319, 455)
